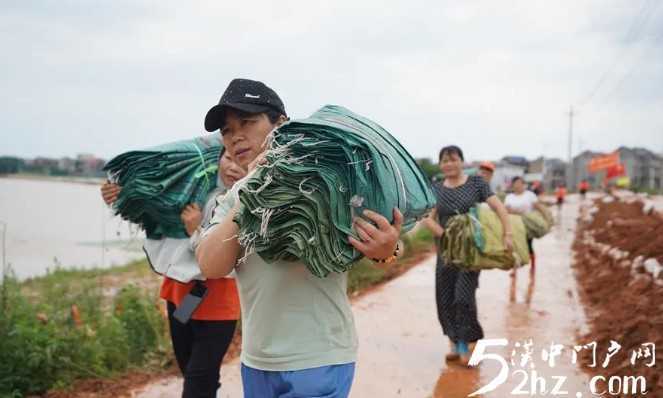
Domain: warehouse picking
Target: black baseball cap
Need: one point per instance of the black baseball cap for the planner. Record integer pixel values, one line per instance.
(245, 95)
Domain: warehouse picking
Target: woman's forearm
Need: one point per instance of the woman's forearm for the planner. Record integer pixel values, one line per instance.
(433, 226)
(540, 206)
(502, 213)
(219, 249)
(431, 223)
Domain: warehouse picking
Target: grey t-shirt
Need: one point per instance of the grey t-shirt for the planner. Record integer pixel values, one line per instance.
(291, 319)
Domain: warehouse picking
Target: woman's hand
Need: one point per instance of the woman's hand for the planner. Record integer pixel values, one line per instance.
(507, 238)
(377, 242)
(435, 228)
(192, 217)
(502, 213)
(110, 192)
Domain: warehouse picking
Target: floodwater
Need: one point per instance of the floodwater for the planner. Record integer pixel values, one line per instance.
(53, 223)
(402, 348)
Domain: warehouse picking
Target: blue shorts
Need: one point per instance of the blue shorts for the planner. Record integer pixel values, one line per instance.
(323, 382)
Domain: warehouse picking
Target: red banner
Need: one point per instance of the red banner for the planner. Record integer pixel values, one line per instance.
(617, 170)
(603, 162)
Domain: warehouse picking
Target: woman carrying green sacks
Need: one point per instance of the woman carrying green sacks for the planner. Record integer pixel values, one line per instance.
(521, 202)
(298, 332)
(455, 289)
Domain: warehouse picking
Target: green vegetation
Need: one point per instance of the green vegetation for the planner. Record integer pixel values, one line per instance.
(429, 167)
(650, 191)
(62, 327)
(78, 324)
(365, 273)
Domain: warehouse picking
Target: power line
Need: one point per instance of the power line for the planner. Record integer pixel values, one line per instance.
(632, 35)
(633, 68)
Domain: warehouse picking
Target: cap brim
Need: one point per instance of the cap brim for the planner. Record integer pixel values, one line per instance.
(215, 118)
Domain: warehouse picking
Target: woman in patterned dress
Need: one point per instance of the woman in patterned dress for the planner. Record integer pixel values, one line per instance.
(455, 290)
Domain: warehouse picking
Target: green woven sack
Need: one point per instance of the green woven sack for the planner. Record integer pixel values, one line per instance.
(158, 182)
(320, 172)
(473, 241)
(537, 224)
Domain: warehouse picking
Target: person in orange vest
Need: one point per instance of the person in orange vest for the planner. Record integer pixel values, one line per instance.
(583, 187)
(486, 171)
(560, 193)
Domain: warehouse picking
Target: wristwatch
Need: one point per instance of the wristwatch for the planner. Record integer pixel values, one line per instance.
(391, 258)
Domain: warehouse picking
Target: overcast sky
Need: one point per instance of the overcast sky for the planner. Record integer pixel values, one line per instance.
(495, 77)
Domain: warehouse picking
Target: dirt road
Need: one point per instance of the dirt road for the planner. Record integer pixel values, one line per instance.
(402, 347)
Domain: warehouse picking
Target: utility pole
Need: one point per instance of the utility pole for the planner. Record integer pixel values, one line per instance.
(570, 181)
(570, 132)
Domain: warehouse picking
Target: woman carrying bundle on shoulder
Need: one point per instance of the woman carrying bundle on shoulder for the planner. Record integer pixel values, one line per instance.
(455, 289)
(202, 333)
(522, 201)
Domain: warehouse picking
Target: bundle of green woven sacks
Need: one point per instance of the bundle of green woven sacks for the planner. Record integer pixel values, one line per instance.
(319, 174)
(474, 241)
(158, 182)
(537, 223)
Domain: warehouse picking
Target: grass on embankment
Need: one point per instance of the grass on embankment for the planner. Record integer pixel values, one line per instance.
(94, 324)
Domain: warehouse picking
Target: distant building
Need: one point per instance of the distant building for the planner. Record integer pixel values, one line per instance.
(504, 173)
(67, 165)
(42, 165)
(554, 173)
(89, 165)
(579, 172)
(642, 166)
(535, 170)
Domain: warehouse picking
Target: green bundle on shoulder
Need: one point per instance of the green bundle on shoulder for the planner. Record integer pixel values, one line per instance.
(473, 241)
(320, 173)
(537, 223)
(158, 182)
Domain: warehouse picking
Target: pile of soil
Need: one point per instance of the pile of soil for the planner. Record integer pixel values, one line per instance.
(625, 226)
(623, 304)
(110, 388)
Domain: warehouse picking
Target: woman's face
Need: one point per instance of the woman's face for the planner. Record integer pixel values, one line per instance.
(244, 135)
(451, 165)
(229, 170)
(518, 186)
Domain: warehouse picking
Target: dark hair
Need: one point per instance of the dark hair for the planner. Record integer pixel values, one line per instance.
(272, 114)
(516, 178)
(450, 150)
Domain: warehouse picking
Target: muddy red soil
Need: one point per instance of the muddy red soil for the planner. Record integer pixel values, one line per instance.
(625, 304)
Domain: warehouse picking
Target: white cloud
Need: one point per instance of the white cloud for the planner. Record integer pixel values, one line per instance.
(492, 78)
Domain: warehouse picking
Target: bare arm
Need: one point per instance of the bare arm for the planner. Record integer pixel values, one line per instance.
(502, 213)
(540, 207)
(219, 249)
(431, 223)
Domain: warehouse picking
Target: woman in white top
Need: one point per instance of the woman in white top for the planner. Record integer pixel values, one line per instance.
(522, 201)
